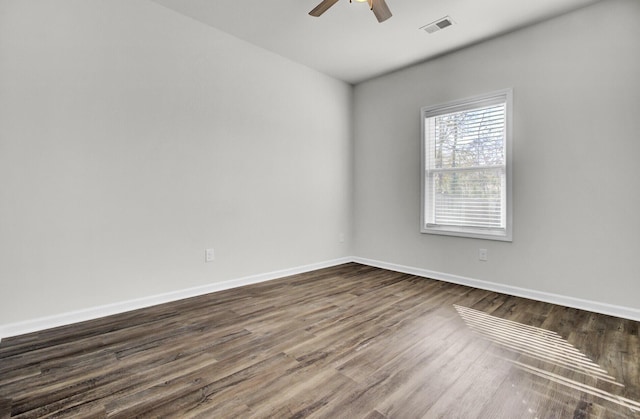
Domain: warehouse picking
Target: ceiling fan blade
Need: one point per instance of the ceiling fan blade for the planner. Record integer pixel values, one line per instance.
(322, 7)
(381, 10)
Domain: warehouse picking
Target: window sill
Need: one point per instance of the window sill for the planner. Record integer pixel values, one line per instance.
(499, 235)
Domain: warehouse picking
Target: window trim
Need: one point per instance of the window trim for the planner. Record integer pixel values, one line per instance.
(506, 96)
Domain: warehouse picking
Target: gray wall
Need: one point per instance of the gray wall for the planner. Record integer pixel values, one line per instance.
(576, 82)
(132, 138)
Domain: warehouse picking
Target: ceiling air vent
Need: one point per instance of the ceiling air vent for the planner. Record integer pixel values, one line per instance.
(437, 25)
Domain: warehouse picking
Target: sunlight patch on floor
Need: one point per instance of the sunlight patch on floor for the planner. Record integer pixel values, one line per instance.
(546, 346)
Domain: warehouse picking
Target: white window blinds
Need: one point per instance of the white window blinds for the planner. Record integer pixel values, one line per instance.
(465, 146)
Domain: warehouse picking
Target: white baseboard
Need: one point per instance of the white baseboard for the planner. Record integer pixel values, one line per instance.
(28, 326)
(588, 305)
(63, 319)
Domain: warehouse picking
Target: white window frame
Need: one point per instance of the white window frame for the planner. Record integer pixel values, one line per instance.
(502, 234)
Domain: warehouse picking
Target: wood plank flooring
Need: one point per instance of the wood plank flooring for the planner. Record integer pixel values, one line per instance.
(345, 342)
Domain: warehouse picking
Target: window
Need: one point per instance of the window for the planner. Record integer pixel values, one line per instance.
(466, 147)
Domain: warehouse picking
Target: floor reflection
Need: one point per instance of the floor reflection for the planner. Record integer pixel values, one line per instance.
(547, 347)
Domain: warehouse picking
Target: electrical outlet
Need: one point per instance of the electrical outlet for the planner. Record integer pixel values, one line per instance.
(341, 238)
(483, 255)
(209, 255)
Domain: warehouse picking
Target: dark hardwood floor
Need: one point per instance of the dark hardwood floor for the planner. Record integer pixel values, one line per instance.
(345, 342)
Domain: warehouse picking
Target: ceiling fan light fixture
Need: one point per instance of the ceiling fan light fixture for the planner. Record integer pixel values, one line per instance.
(378, 7)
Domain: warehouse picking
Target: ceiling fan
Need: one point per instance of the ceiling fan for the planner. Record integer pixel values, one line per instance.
(378, 7)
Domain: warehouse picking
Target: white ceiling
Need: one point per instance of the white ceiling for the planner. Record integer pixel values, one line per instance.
(348, 43)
